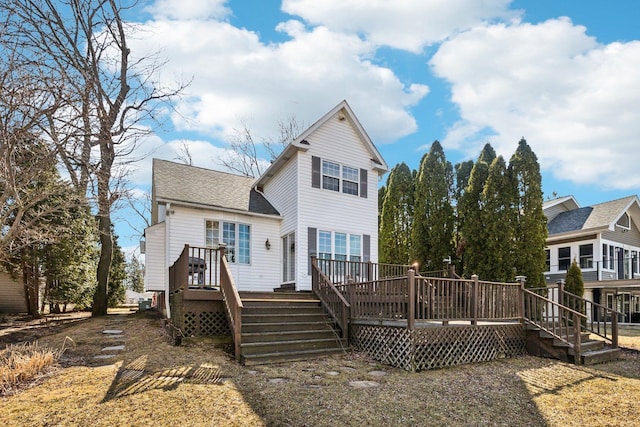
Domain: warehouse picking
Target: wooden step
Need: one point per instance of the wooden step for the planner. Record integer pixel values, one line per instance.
(289, 346)
(297, 335)
(282, 310)
(600, 356)
(276, 295)
(280, 357)
(588, 346)
(275, 318)
(284, 326)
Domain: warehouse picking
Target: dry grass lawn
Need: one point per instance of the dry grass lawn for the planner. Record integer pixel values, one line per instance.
(152, 383)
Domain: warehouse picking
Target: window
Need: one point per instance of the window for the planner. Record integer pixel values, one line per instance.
(336, 177)
(244, 247)
(605, 259)
(324, 245)
(634, 263)
(289, 258)
(564, 258)
(330, 176)
(236, 237)
(212, 234)
(586, 256)
(548, 256)
(350, 180)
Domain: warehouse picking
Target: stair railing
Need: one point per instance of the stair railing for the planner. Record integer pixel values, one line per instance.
(599, 315)
(331, 299)
(554, 318)
(232, 302)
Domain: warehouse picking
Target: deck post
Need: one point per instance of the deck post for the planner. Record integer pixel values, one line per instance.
(577, 340)
(560, 283)
(522, 280)
(474, 299)
(614, 329)
(411, 304)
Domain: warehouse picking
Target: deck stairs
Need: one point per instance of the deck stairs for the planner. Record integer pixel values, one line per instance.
(543, 344)
(286, 326)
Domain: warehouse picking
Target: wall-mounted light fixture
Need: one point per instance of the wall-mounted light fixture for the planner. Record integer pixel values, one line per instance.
(267, 244)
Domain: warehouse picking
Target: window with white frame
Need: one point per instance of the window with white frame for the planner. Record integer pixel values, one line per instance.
(236, 237)
(548, 258)
(337, 177)
(289, 257)
(586, 256)
(605, 256)
(324, 245)
(330, 176)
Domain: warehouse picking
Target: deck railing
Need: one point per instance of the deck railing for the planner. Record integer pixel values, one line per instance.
(331, 299)
(232, 303)
(178, 272)
(418, 298)
(603, 321)
(561, 322)
(195, 268)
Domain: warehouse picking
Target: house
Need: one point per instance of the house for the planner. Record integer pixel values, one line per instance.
(319, 197)
(12, 298)
(605, 241)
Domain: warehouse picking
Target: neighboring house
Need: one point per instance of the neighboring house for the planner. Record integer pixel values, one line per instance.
(319, 197)
(605, 241)
(12, 299)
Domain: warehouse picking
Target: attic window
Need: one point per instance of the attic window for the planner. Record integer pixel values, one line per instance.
(624, 222)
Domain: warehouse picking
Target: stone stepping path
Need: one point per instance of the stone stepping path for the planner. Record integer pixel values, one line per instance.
(363, 384)
(112, 334)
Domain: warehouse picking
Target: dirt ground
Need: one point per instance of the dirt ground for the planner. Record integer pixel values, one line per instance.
(149, 382)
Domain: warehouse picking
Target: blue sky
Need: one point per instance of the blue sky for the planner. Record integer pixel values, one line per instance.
(563, 74)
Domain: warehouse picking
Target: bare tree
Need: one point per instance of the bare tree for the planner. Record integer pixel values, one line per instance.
(245, 158)
(183, 154)
(109, 98)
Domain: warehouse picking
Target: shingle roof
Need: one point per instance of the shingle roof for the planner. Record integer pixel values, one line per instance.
(601, 215)
(189, 184)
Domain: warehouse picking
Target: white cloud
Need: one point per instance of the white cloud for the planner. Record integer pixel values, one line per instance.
(238, 78)
(189, 9)
(573, 99)
(409, 24)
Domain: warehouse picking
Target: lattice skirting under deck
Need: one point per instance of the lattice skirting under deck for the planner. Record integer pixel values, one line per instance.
(205, 324)
(437, 347)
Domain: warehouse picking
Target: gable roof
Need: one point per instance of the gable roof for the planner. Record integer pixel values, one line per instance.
(300, 143)
(601, 216)
(195, 186)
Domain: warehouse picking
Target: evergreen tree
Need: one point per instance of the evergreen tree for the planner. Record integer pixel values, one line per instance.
(530, 231)
(432, 230)
(574, 283)
(498, 217)
(463, 173)
(135, 274)
(396, 219)
(381, 195)
(69, 264)
(470, 204)
(116, 290)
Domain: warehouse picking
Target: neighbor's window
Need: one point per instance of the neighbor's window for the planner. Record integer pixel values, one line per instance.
(548, 256)
(564, 258)
(586, 256)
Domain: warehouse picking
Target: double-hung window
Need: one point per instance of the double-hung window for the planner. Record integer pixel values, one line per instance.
(340, 178)
(586, 256)
(330, 176)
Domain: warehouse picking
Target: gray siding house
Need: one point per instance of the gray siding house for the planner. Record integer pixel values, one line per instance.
(605, 241)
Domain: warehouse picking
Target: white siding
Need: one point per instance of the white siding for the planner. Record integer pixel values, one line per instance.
(187, 226)
(155, 272)
(11, 295)
(281, 191)
(338, 142)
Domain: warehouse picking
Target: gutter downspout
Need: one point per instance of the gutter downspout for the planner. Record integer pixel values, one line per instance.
(167, 250)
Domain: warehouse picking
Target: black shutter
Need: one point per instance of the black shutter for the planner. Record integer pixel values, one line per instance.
(366, 248)
(311, 245)
(363, 183)
(315, 172)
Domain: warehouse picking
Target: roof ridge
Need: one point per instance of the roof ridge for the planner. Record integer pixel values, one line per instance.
(615, 200)
(235, 175)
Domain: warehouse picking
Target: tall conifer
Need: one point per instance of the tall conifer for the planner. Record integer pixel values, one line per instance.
(530, 231)
(498, 217)
(396, 217)
(432, 231)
